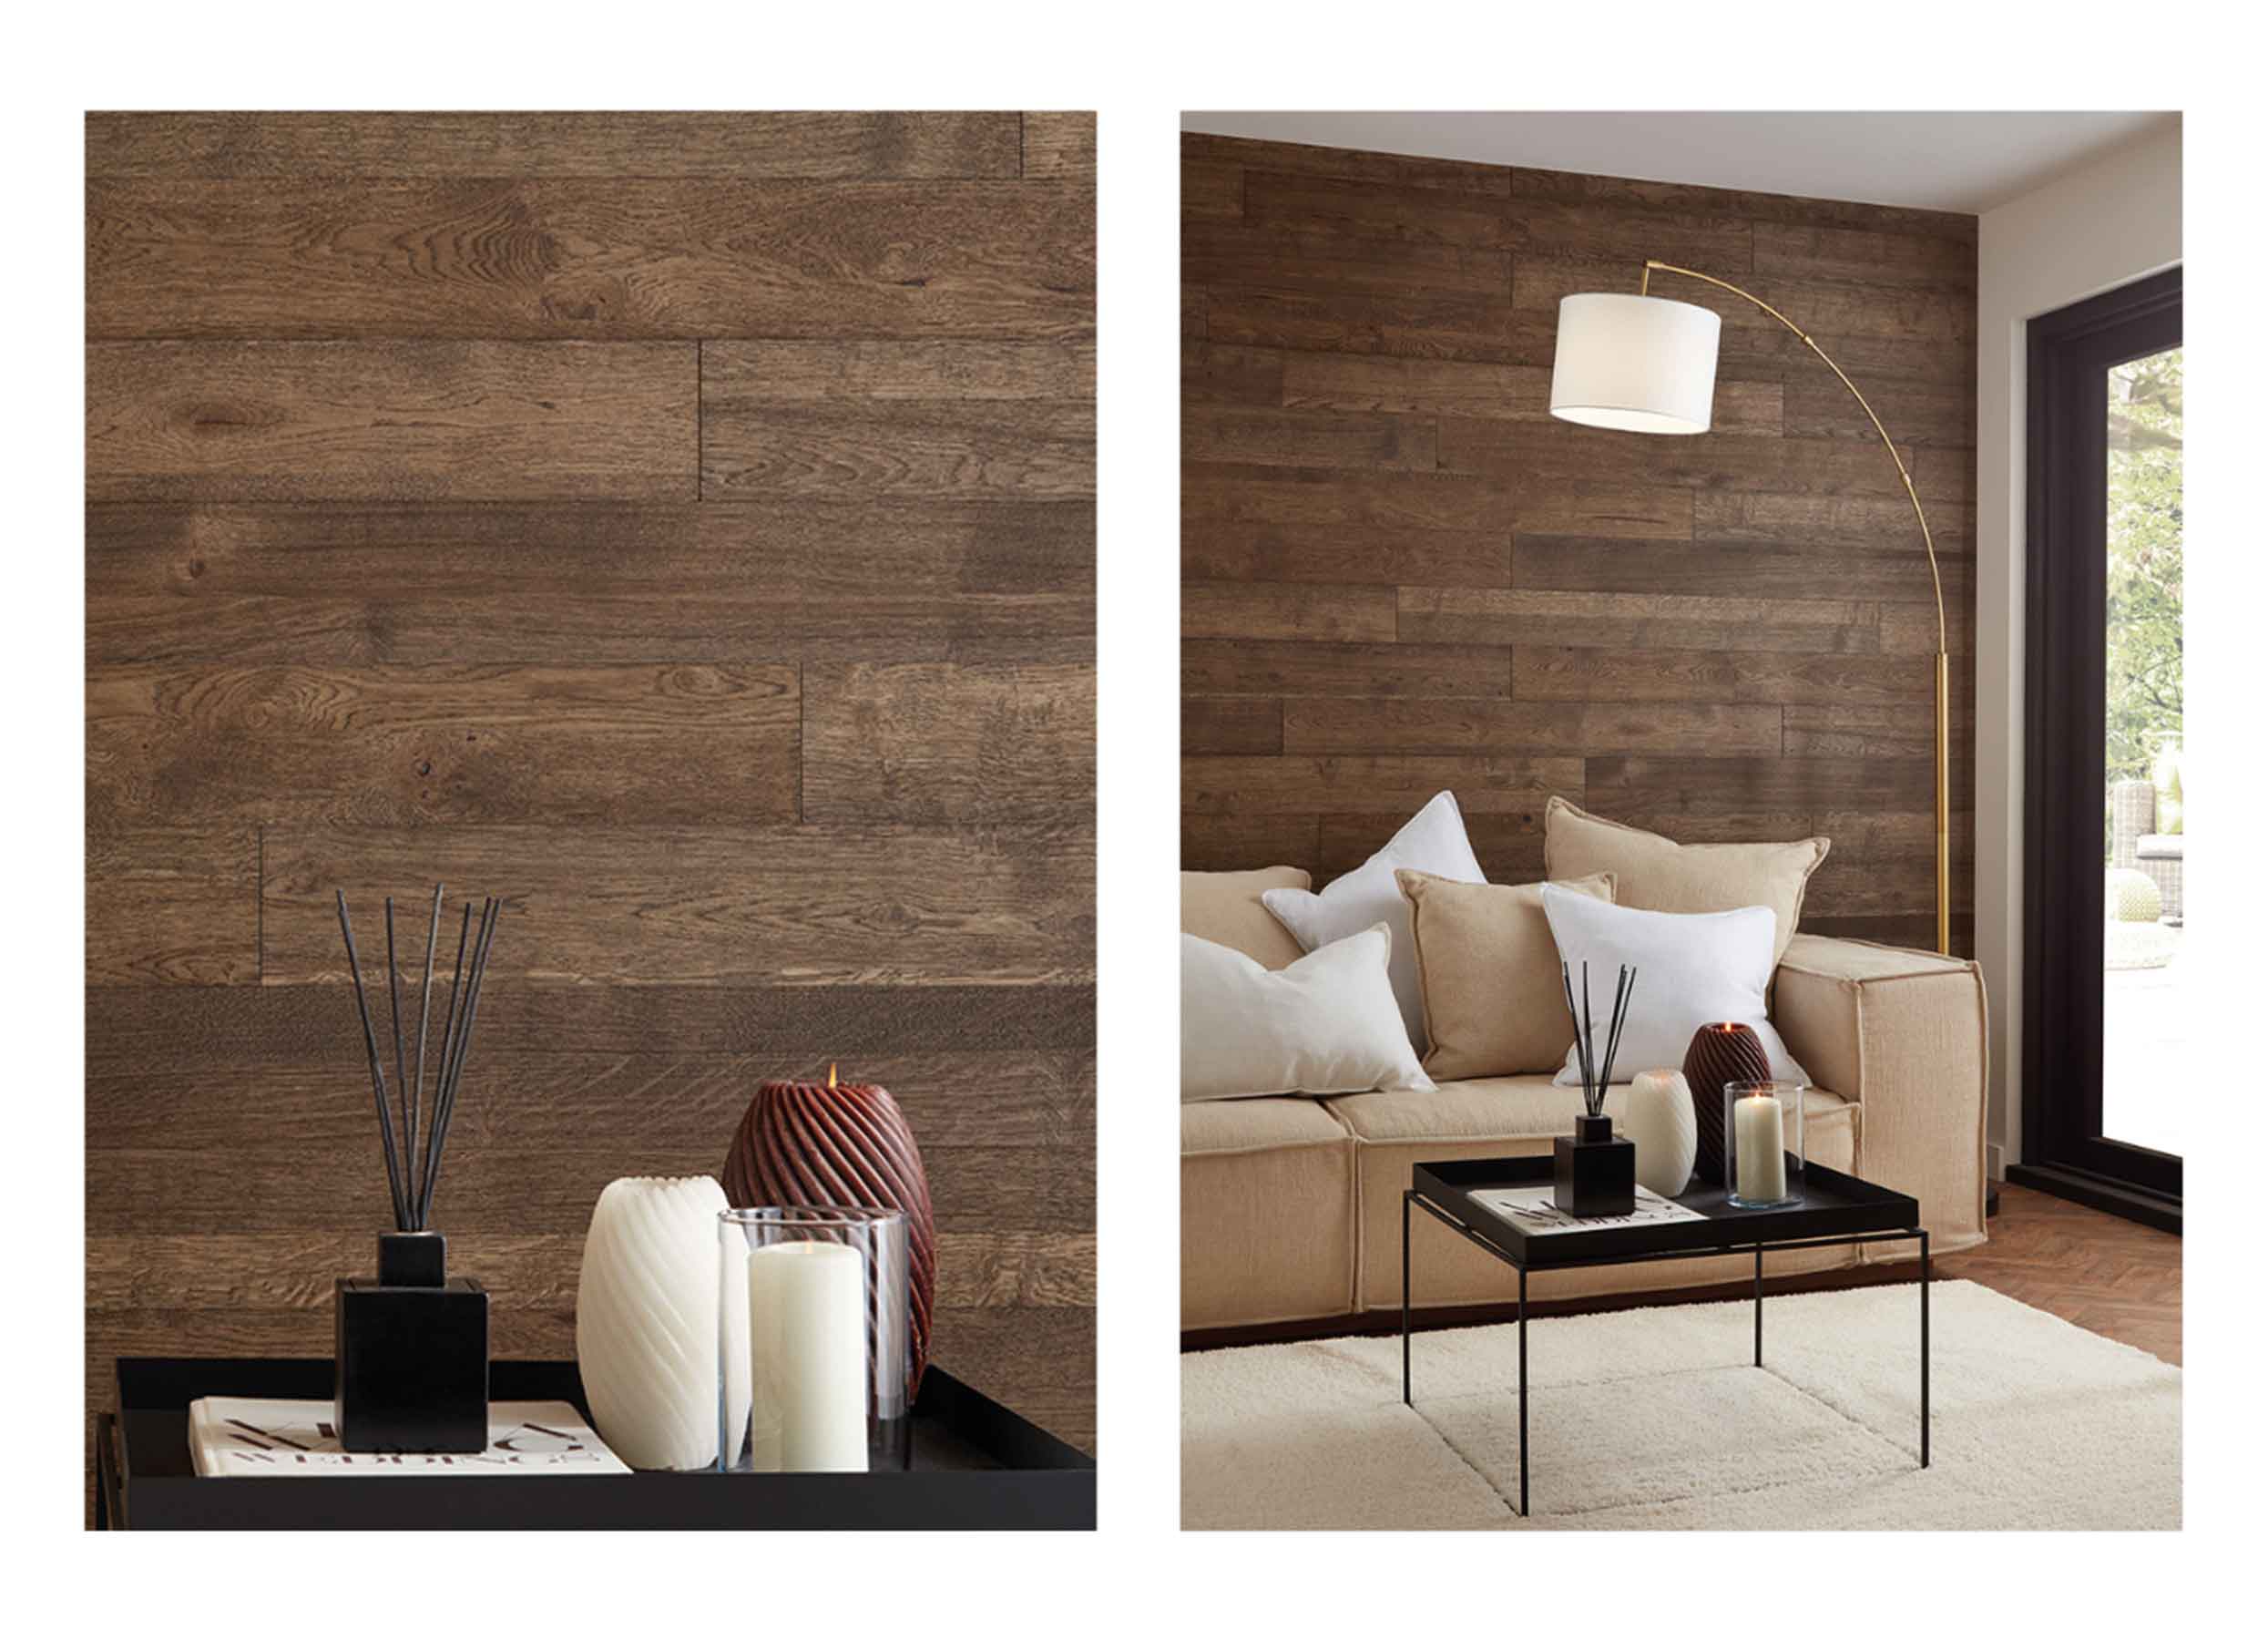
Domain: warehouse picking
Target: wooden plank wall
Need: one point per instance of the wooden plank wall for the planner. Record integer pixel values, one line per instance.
(681, 524)
(1399, 574)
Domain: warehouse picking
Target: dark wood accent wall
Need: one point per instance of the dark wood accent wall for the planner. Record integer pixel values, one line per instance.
(683, 524)
(1399, 574)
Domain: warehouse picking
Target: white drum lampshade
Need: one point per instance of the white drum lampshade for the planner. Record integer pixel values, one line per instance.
(1635, 364)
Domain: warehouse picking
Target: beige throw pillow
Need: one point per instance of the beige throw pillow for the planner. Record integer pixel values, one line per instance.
(1490, 970)
(1225, 907)
(1653, 874)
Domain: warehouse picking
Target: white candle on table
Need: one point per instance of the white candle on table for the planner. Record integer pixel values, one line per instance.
(807, 1356)
(1760, 1166)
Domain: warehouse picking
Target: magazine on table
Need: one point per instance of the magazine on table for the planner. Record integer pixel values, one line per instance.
(1531, 1207)
(233, 1436)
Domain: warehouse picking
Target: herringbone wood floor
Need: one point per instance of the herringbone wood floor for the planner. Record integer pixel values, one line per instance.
(2107, 1274)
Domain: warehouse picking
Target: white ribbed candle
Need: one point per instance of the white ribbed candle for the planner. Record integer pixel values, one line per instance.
(646, 1323)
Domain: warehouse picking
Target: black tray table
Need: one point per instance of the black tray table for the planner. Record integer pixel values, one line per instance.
(1836, 1210)
(977, 1465)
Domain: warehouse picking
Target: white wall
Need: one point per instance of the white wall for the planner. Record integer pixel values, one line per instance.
(2089, 230)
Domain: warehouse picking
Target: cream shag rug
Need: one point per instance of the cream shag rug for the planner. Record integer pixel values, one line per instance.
(1655, 1418)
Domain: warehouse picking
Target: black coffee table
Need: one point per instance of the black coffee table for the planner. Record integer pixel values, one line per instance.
(1836, 1210)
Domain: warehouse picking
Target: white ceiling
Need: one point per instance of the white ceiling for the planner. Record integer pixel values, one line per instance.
(1942, 161)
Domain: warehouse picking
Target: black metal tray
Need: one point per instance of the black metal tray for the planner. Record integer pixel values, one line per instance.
(1834, 1205)
(977, 1465)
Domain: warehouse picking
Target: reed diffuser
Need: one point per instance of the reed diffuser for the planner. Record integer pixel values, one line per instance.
(413, 1346)
(1594, 1174)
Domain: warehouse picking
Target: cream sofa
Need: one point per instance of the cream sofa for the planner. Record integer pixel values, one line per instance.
(1291, 1206)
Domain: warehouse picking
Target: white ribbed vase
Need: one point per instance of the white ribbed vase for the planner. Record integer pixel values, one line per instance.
(646, 1323)
(1658, 1118)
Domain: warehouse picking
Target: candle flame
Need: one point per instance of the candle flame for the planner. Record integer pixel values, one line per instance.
(831, 1073)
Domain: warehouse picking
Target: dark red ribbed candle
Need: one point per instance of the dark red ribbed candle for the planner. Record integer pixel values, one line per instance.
(809, 1145)
(1719, 1054)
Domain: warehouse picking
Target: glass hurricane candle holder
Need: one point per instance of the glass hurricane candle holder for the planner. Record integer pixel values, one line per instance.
(813, 1340)
(1763, 1144)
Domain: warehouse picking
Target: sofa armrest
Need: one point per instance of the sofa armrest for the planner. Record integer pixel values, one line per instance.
(1902, 1034)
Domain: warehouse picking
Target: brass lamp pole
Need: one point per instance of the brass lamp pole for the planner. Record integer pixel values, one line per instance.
(1653, 369)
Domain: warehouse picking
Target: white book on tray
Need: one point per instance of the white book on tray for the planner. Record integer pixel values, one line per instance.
(1532, 1209)
(233, 1436)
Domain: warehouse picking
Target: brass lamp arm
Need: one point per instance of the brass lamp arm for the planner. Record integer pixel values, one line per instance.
(1928, 545)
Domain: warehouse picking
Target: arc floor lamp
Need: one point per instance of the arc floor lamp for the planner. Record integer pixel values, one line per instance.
(1645, 364)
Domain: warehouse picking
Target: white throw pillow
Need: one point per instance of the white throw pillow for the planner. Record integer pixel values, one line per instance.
(1692, 970)
(1434, 841)
(1327, 1024)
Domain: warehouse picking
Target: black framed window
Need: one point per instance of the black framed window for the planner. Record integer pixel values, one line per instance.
(2103, 910)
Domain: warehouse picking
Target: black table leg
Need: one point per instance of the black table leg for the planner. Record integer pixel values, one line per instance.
(1405, 1297)
(1523, 1391)
(1925, 1236)
(1759, 1304)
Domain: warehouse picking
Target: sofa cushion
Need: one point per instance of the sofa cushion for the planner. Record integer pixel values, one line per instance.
(1490, 972)
(1653, 873)
(1225, 907)
(1327, 1024)
(1243, 1125)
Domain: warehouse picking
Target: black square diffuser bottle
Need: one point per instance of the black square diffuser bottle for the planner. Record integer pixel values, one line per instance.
(1594, 1174)
(412, 1372)
(412, 1353)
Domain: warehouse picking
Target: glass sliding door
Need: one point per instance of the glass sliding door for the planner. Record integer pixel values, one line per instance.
(2104, 835)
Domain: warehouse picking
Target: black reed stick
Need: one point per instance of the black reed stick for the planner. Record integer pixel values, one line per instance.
(401, 1071)
(424, 1006)
(1582, 1053)
(1590, 1045)
(444, 1115)
(441, 1064)
(1625, 988)
(377, 1072)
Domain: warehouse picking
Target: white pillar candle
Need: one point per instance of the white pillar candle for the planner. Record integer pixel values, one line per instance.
(807, 1356)
(1760, 1163)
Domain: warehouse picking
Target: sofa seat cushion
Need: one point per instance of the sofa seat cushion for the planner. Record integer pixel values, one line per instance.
(1496, 1107)
(1243, 1124)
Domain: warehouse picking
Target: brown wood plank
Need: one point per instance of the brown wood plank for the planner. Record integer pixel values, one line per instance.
(980, 744)
(1212, 191)
(1239, 667)
(1565, 672)
(1710, 243)
(804, 1025)
(1328, 207)
(1315, 613)
(1248, 842)
(1193, 313)
(1625, 193)
(1699, 786)
(1574, 727)
(1510, 846)
(1929, 316)
(173, 907)
(1785, 251)
(818, 146)
(516, 257)
(717, 907)
(1060, 145)
(1771, 571)
(1230, 728)
(1357, 165)
(864, 420)
(345, 586)
(1002, 1097)
(588, 259)
(1545, 454)
(1362, 784)
(1267, 494)
(406, 746)
(405, 421)
(518, 1191)
(1214, 374)
(1240, 434)
(1342, 553)
(1616, 512)
(1929, 413)
(1637, 620)
(1215, 253)
(1825, 522)
(1421, 324)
